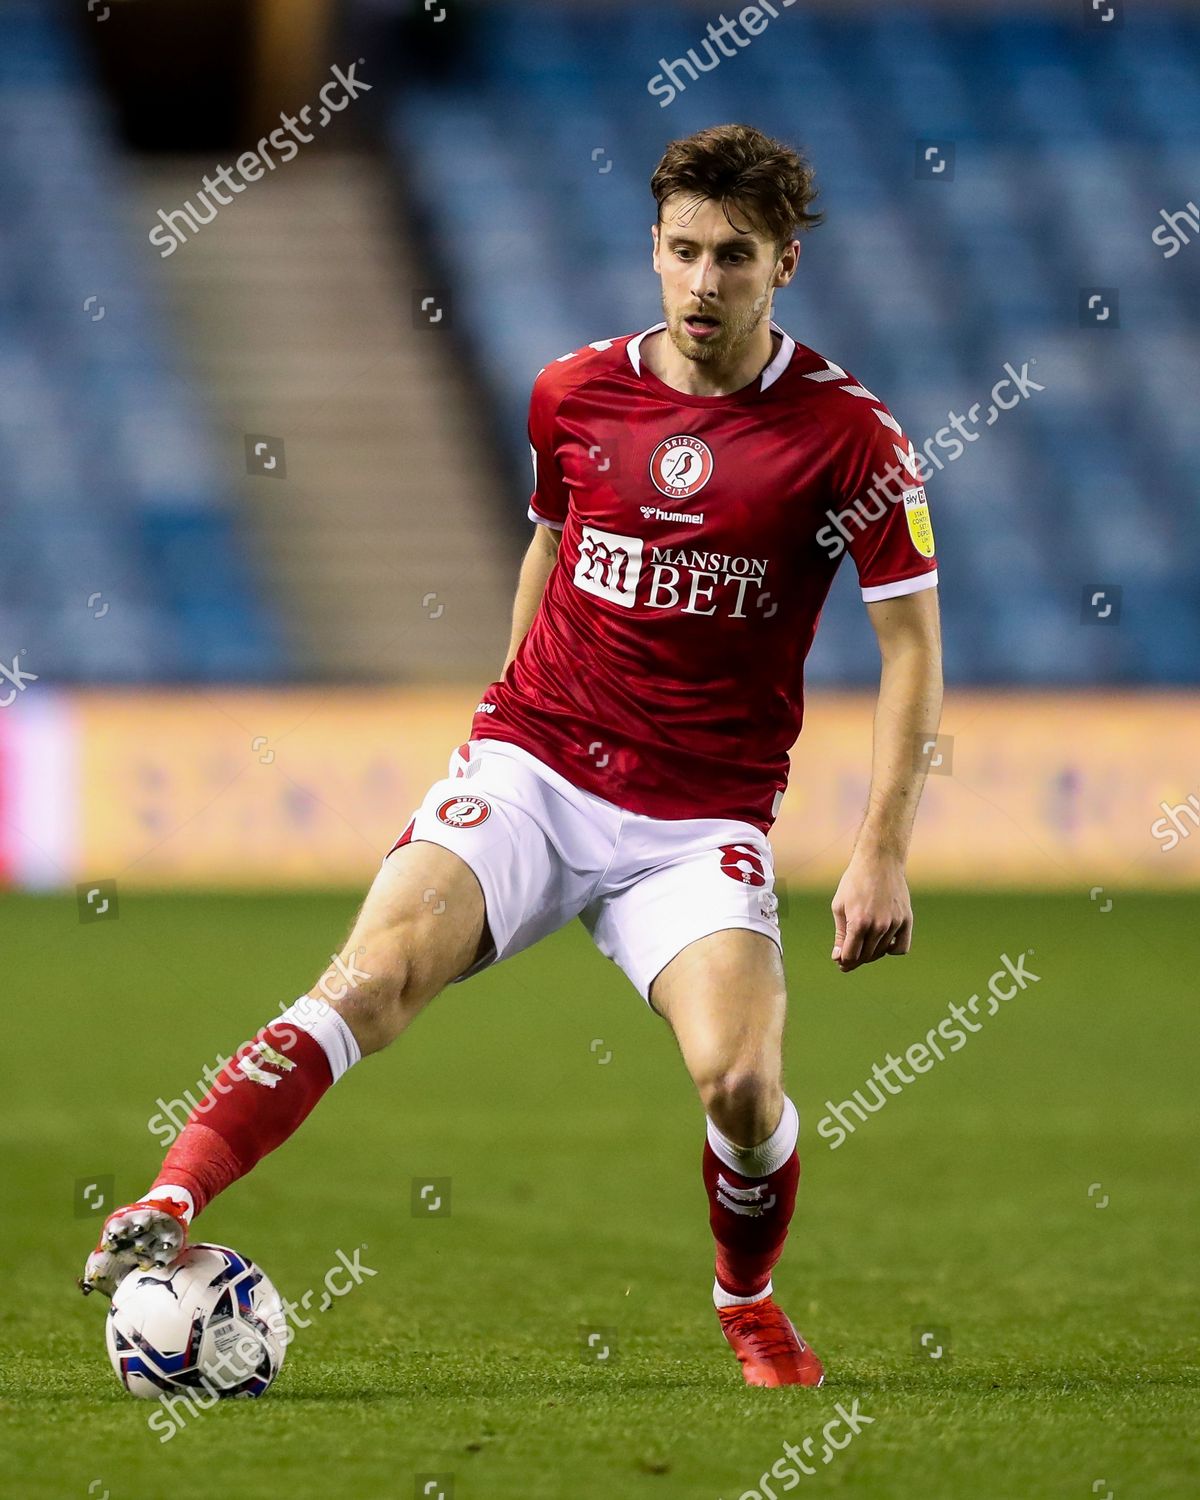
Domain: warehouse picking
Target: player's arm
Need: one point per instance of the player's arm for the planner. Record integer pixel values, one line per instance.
(872, 911)
(535, 570)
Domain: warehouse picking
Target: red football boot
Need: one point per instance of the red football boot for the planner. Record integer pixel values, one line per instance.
(151, 1232)
(770, 1350)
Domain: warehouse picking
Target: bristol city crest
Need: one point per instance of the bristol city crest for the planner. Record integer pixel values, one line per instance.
(680, 466)
(463, 812)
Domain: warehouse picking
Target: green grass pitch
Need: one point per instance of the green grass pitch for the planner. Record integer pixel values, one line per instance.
(1030, 1202)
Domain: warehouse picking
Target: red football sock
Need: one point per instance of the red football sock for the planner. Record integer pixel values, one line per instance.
(749, 1215)
(257, 1100)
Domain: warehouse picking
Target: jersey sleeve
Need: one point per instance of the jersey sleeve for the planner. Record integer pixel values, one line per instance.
(548, 503)
(884, 511)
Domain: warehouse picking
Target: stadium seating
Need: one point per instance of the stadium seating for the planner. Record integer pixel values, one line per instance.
(119, 554)
(526, 161)
(530, 162)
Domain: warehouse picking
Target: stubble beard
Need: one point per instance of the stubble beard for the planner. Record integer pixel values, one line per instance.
(727, 344)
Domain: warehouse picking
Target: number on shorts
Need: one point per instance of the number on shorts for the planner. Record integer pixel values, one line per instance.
(743, 862)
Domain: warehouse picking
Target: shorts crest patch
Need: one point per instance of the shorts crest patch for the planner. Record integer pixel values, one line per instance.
(464, 812)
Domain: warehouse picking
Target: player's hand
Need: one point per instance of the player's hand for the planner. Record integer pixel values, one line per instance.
(872, 912)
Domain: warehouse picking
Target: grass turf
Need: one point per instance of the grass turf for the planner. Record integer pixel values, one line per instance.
(1067, 1320)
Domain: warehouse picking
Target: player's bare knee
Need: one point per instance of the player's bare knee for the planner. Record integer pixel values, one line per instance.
(742, 1100)
(391, 987)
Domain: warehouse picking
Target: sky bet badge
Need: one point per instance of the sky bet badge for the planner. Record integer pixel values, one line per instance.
(920, 527)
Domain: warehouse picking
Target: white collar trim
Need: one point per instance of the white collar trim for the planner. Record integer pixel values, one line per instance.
(769, 376)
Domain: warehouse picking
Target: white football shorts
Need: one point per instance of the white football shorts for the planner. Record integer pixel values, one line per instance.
(544, 851)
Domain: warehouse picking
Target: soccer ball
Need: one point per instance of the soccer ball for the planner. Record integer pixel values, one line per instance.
(210, 1323)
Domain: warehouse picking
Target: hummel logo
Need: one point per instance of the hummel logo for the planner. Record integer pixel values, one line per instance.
(652, 512)
(748, 1201)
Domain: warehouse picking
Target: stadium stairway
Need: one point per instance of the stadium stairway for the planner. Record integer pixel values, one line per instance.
(383, 529)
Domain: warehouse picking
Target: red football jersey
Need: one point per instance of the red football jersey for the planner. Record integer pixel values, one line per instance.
(664, 669)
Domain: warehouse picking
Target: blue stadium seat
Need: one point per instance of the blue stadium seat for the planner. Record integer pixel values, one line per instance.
(107, 470)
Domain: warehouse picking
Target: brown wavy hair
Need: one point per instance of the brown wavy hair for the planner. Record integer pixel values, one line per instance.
(737, 165)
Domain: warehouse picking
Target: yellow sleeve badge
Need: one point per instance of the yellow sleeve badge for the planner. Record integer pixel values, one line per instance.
(920, 527)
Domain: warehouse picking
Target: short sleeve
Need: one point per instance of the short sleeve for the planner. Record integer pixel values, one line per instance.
(548, 503)
(884, 516)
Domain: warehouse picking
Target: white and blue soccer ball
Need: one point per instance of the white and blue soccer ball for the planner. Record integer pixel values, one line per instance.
(209, 1323)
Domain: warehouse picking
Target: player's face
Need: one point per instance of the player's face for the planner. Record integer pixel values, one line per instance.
(717, 282)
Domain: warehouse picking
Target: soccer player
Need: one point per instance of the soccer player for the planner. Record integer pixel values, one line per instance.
(695, 485)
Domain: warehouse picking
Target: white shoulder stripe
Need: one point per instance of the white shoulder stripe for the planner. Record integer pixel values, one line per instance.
(908, 460)
(835, 372)
(830, 372)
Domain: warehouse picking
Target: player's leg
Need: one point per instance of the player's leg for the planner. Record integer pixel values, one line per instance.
(734, 1052)
(499, 854)
(422, 925)
(689, 914)
(725, 999)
